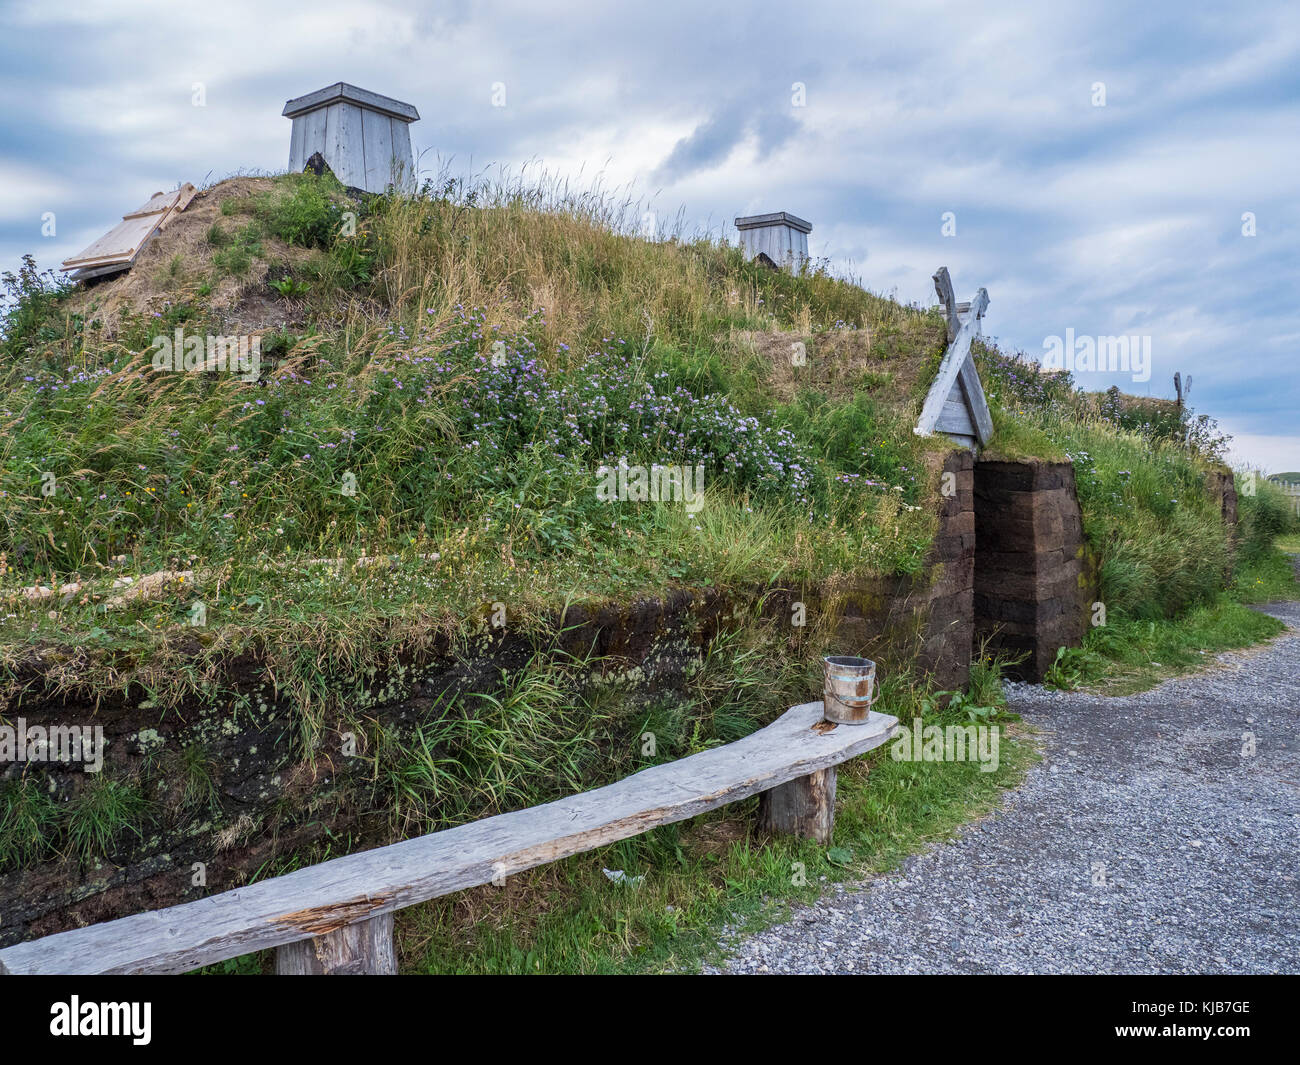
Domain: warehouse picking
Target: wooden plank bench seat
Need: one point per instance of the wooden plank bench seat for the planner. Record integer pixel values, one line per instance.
(336, 917)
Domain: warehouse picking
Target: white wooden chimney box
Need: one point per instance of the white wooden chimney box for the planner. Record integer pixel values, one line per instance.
(781, 236)
(364, 137)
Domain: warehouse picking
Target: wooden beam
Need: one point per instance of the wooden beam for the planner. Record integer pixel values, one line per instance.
(943, 288)
(359, 887)
(804, 807)
(951, 366)
(969, 378)
(955, 419)
(361, 949)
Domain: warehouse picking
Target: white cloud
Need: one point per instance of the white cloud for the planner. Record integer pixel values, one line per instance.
(1274, 453)
(1101, 218)
(26, 192)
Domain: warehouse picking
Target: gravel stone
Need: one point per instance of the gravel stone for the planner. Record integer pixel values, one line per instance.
(1146, 841)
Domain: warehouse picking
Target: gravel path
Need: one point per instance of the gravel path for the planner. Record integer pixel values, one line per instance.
(1200, 845)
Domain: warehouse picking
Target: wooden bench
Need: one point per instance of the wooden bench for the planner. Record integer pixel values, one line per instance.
(337, 917)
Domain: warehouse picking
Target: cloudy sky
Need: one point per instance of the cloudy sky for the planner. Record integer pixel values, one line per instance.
(1103, 164)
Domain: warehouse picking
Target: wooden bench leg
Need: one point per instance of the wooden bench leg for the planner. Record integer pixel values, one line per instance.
(363, 948)
(804, 807)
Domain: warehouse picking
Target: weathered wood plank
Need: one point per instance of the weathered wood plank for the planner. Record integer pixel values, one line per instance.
(297, 142)
(315, 128)
(344, 144)
(184, 195)
(780, 236)
(123, 242)
(948, 301)
(342, 91)
(949, 368)
(955, 416)
(325, 897)
(971, 443)
(158, 203)
(954, 359)
(969, 378)
(363, 948)
(377, 133)
(120, 244)
(803, 807)
(403, 161)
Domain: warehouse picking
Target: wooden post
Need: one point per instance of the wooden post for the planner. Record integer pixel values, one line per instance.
(948, 301)
(363, 948)
(803, 807)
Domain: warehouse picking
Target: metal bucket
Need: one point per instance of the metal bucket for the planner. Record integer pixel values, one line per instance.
(850, 689)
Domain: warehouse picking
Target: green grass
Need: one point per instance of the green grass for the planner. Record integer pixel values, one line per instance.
(101, 811)
(1266, 578)
(517, 338)
(471, 432)
(1134, 655)
(36, 825)
(29, 822)
(1289, 544)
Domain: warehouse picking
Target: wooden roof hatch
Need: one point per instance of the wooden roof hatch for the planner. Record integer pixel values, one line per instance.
(117, 249)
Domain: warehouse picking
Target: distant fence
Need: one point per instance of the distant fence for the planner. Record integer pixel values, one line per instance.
(1293, 491)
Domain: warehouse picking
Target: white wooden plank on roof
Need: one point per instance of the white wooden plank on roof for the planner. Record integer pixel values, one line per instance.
(184, 195)
(342, 91)
(377, 144)
(119, 244)
(297, 138)
(344, 144)
(403, 163)
(158, 202)
(315, 128)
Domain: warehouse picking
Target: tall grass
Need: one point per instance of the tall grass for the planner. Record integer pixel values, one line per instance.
(475, 355)
(1265, 514)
